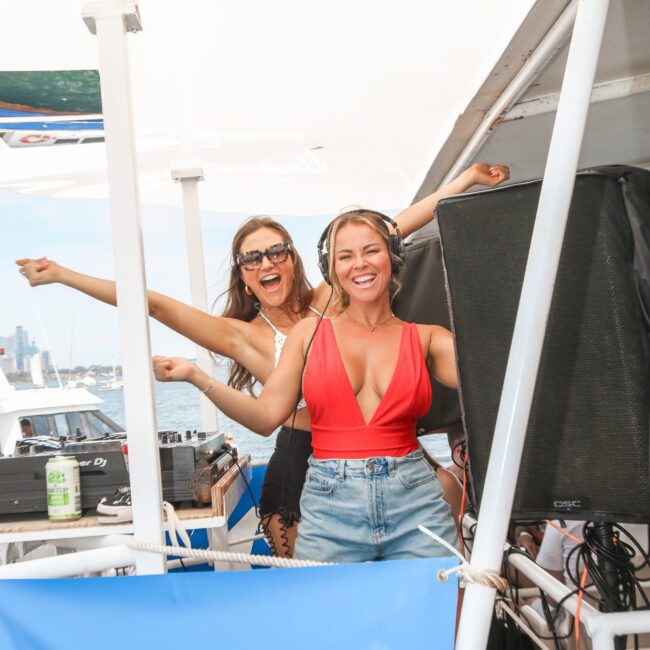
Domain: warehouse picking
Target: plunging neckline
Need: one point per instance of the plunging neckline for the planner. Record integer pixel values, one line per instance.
(349, 383)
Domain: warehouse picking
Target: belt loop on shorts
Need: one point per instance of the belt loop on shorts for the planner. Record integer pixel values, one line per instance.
(341, 470)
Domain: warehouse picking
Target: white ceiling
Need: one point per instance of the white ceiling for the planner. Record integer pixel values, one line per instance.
(293, 107)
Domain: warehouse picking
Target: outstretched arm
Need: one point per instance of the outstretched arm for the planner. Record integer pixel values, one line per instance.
(424, 211)
(225, 336)
(420, 213)
(277, 399)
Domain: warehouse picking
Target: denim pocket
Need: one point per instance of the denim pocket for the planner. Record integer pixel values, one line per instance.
(319, 484)
(413, 472)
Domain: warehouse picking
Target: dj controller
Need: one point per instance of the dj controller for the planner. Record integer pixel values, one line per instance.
(190, 464)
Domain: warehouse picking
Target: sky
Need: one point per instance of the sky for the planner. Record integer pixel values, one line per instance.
(288, 106)
(77, 233)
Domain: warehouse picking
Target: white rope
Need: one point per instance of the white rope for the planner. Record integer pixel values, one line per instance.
(466, 572)
(175, 527)
(223, 556)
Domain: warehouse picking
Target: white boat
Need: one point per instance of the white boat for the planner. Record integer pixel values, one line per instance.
(111, 384)
(516, 93)
(56, 412)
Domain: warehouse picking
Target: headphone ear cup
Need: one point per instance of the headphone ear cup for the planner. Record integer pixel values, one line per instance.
(323, 255)
(397, 250)
(323, 265)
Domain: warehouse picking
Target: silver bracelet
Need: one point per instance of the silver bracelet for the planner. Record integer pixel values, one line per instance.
(210, 385)
(523, 532)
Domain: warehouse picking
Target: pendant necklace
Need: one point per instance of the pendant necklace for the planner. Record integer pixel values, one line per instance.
(372, 327)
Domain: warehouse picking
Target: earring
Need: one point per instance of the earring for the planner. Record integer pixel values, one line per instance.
(248, 290)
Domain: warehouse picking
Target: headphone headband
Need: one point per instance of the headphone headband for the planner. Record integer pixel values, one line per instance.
(395, 245)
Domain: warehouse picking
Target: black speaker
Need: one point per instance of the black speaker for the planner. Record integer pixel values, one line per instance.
(423, 299)
(586, 454)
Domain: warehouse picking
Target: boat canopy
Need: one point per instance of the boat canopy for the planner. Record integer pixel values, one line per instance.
(511, 116)
(289, 109)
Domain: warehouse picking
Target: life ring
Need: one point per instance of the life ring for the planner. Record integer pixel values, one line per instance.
(36, 139)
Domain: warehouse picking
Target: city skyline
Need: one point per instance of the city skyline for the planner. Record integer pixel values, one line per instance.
(78, 330)
(16, 349)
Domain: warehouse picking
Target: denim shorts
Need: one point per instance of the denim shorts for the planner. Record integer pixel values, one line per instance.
(362, 510)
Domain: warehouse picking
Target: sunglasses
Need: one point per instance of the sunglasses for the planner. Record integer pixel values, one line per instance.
(252, 260)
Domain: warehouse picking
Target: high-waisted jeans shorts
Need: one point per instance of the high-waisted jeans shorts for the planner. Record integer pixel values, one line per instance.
(370, 509)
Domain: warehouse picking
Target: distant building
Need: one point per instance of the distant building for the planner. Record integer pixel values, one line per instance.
(30, 351)
(46, 361)
(18, 350)
(21, 342)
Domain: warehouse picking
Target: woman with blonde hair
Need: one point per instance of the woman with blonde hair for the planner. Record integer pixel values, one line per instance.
(267, 295)
(365, 381)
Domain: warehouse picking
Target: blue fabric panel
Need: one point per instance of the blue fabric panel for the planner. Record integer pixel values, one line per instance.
(199, 539)
(94, 125)
(382, 605)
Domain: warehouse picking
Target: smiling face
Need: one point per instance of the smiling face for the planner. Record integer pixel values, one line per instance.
(362, 264)
(271, 283)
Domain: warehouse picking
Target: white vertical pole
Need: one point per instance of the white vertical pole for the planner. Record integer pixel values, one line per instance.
(110, 19)
(189, 176)
(603, 641)
(530, 326)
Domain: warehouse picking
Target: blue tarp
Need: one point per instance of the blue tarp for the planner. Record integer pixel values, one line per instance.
(76, 122)
(383, 606)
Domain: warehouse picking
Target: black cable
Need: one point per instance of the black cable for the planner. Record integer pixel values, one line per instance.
(609, 564)
(593, 554)
(472, 530)
(463, 453)
(241, 472)
(550, 620)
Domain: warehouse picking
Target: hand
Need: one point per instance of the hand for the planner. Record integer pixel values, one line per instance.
(490, 175)
(524, 538)
(40, 271)
(173, 369)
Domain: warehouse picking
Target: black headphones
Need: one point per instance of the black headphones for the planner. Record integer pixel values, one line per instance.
(395, 245)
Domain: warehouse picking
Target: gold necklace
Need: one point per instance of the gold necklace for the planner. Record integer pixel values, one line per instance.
(267, 309)
(372, 327)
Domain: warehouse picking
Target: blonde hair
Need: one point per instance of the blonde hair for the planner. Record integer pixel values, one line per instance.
(374, 220)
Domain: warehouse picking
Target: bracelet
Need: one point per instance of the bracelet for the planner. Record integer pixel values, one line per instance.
(210, 385)
(522, 532)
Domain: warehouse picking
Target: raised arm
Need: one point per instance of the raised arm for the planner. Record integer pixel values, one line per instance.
(225, 336)
(277, 399)
(420, 213)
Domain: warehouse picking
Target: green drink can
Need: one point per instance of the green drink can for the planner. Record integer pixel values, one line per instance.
(63, 488)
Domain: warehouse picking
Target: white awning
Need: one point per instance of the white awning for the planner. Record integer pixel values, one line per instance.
(292, 107)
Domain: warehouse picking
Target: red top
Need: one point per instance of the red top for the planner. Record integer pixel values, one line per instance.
(337, 426)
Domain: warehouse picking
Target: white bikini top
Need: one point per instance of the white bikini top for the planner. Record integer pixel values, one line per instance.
(279, 340)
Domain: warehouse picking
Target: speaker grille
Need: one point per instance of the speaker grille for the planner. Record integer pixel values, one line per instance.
(423, 299)
(586, 453)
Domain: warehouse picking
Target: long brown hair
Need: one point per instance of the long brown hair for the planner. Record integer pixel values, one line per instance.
(340, 299)
(244, 307)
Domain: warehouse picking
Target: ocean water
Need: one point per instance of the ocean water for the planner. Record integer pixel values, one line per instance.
(178, 409)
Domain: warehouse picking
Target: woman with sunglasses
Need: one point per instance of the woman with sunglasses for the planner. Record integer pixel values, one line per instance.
(267, 295)
(365, 378)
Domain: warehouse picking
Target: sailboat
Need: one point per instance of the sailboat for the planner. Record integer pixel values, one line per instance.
(36, 370)
(111, 384)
